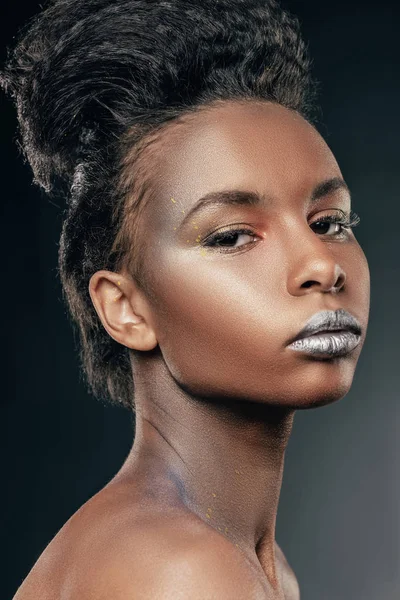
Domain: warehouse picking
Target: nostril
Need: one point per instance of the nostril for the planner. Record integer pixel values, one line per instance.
(341, 280)
(308, 284)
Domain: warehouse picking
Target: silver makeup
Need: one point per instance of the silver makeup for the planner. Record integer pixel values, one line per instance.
(333, 344)
(332, 333)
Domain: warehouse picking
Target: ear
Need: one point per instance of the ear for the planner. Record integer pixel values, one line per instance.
(123, 310)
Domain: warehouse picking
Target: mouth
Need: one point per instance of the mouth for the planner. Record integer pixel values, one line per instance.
(331, 344)
(329, 322)
(332, 333)
(325, 332)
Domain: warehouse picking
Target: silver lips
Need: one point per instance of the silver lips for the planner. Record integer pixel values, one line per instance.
(332, 333)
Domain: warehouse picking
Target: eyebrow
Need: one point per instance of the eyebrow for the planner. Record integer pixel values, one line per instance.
(251, 198)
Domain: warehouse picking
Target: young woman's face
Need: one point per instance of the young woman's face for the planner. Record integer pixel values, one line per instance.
(224, 312)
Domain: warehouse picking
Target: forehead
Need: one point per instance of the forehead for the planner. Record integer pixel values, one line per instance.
(253, 145)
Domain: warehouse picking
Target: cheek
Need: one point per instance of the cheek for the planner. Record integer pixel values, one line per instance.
(359, 284)
(215, 319)
(196, 301)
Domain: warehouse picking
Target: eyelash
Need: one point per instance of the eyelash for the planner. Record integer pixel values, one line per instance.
(346, 222)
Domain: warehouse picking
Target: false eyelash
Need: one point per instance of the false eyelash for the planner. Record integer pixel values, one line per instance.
(346, 221)
(221, 235)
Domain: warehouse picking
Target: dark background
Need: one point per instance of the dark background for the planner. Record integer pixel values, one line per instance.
(338, 520)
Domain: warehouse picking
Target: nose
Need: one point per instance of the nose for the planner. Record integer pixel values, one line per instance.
(318, 271)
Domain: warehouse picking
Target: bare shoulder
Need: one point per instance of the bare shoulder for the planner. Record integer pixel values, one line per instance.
(166, 567)
(115, 547)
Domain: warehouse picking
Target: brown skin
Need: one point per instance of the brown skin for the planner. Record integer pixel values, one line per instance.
(216, 388)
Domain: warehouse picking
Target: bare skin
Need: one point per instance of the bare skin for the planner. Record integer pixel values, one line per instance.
(193, 509)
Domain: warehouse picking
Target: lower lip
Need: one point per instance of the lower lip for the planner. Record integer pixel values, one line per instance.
(331, 344)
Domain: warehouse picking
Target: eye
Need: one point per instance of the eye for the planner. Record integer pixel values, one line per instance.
(230, 239)
(236, 238)
(327, 227)
(335, 224)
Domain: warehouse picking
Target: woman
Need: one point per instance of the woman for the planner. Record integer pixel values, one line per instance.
(208, 260)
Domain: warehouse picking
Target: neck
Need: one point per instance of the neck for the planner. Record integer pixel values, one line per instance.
(224, 456)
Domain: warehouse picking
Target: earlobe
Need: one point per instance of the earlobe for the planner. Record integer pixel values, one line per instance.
(123, 310)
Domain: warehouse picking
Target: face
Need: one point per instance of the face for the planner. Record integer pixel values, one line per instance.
(233, 282)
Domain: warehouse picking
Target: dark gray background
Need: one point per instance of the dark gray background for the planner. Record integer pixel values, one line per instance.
(338, 519)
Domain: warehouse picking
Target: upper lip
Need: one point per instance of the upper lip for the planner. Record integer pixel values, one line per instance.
(329, 320)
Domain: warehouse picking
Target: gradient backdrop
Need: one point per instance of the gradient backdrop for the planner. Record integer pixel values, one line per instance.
(338, 521)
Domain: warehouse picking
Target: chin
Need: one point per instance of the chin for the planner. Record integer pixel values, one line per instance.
(330, 381)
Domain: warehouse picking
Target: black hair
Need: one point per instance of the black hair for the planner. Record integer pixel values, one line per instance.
(96, 83)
